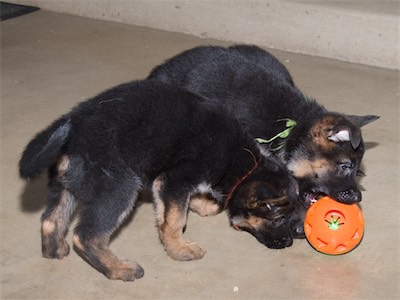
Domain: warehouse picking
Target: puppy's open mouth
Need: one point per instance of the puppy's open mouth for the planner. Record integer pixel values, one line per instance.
(312, 197)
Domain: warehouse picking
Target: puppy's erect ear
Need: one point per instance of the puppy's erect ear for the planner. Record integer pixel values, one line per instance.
(348, 134)
(345, 134)
(340, 135)
(360, 121)
(334, 128)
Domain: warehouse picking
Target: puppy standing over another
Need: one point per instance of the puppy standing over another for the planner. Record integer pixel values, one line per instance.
(194, 156)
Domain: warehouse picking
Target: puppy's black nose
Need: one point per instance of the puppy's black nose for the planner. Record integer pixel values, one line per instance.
(349, 196)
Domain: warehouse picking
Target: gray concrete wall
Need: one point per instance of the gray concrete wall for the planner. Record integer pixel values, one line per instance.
(365, 32)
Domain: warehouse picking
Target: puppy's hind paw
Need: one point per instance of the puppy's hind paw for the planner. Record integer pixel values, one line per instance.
(55, 250)
(126, 271)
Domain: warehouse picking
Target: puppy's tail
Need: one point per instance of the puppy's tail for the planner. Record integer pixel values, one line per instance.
(45, 148)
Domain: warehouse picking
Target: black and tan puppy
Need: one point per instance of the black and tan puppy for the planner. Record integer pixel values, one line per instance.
(323, 151)
(192, 154)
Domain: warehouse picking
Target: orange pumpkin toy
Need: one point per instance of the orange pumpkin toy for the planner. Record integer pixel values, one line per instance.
(332, 227)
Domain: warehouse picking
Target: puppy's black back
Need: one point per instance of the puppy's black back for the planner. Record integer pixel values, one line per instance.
(262, 59)
(251, 84)
(150, 127)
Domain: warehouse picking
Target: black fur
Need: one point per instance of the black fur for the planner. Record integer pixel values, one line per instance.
(323, 151)
(147, 133)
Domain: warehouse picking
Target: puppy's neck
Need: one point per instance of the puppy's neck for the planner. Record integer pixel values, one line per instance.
(256, 160)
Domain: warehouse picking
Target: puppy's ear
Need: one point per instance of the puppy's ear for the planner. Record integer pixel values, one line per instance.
(345, 134)
(336, 129)
(360, 121)
(263, 202)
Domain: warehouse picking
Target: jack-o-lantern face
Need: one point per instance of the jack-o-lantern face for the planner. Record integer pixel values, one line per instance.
(332, 227)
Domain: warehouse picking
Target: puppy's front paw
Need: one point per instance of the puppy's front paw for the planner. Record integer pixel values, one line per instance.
(185, 251)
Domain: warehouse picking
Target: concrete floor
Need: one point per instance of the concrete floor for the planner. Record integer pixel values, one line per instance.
(49, 62)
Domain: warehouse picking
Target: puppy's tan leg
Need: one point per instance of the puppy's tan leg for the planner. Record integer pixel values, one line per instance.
(171, 235)
(171, 222)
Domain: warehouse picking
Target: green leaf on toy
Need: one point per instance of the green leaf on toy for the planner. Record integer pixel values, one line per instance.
(290, 124)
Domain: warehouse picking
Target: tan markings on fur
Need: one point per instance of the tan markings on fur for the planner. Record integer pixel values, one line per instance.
(77, 242)
(251, 222)
(309, 168)
(320, 132)
(204, 206)
(55, 227)
(60, 216)
(175, 221)
(158, 202)
(98, 246)
(63, 164)
(48, 227)
(255, 222)
(171, 235)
